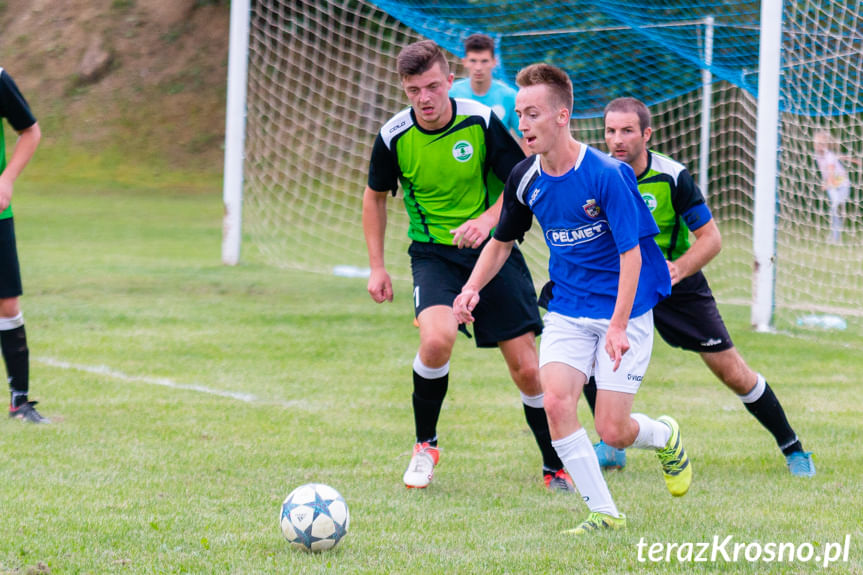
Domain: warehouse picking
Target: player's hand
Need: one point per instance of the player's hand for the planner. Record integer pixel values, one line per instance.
(380, 285)
(673, 272)
(5, 194)
(464, 304)
(471, 234)
(616, 344)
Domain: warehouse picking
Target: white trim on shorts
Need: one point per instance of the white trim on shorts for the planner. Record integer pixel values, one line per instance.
(580, 343)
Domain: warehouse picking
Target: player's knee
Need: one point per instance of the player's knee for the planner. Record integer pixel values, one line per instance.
(526, 377)
(556, 407)
(435, 350)
(614, 433)
(9, 307)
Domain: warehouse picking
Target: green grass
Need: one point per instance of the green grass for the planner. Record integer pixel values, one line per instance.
(189, 398)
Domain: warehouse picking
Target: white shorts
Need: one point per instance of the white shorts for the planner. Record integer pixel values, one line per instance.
(580, 343)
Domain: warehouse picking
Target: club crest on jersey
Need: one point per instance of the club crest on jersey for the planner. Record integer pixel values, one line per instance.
(591, 209)
(462, 151)
(650, 200)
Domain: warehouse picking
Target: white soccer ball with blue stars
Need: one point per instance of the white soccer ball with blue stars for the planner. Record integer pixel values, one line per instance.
(314, 517)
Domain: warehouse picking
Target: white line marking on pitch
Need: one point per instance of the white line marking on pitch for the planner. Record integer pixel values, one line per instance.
(163, 381)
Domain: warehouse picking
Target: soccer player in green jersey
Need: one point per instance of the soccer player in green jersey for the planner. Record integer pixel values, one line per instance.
(689, 317)
(13, 339)
(441, 150)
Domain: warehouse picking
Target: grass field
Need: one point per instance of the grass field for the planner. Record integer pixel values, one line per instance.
(189, 398)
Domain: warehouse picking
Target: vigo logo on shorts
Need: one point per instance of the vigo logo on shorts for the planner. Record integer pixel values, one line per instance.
(575, 236)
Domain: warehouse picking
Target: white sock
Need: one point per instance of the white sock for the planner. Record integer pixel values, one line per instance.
(756, 392)
(532, 400)
(429, 372)
(10, 323)
(578, 456)
(652, 434)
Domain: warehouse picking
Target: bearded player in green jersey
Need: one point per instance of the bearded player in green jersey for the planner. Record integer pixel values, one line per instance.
(689, 317)
(441, 151)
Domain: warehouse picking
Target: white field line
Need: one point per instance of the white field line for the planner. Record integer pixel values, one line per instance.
(162, 381)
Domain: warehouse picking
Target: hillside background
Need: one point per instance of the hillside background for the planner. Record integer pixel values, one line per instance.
(121, 86)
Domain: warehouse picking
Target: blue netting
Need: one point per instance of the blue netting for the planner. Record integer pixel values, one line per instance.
(654, 49)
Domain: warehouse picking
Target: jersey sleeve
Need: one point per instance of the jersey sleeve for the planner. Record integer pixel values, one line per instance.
(689, 203)
(13, 106)
(383, 171)
(503, 151)
(515, 217)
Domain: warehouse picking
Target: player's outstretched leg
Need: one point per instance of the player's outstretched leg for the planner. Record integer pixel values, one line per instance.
(676, 468)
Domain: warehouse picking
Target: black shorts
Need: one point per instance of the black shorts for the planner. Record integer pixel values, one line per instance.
(507, 305)
(10, 273)
(689, 318)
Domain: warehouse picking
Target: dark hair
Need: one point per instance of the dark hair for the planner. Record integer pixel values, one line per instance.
(556, 79)
(629, 106)
(419, 57)
(478, 43)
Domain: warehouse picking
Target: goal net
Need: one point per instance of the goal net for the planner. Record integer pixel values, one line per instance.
(322, 82)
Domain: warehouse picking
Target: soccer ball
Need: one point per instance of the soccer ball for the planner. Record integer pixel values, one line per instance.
(314, 517)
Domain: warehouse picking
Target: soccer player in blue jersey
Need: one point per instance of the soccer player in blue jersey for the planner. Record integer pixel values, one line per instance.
(13, 338)
(608, 274)
(479, 85)
(689, 318)
(441, 150)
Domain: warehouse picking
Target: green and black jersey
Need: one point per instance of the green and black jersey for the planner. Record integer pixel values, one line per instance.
(444, 174)
(14, 108)
(671, 194)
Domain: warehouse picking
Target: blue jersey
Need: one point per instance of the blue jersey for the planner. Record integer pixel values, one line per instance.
(589, 216)
(500, 98)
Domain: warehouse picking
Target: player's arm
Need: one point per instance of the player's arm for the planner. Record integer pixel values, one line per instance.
(383, 175)
(708, 243)
(374, 228)
(689, 204)
(25, 147)
(515, 220)
(490, 261)
(16, 110)
(616, 342)
(473, 233)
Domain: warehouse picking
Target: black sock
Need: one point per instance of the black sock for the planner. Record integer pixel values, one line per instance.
(769, 412)
(590, 394)
(17, 357)
(427, 401)
(538, 423)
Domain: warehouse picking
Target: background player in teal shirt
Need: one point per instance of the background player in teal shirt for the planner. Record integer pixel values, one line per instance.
(479, 61)
(440, 151)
